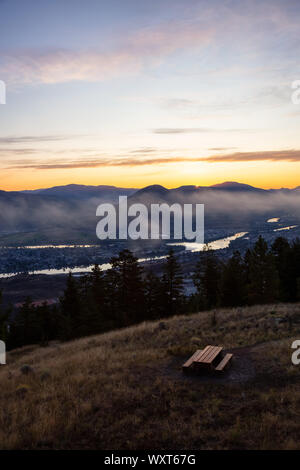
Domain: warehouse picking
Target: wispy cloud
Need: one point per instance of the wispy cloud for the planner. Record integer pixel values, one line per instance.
(95, 163)
(147, 46)
(17, 151)
(144, 150)
(36, 139)
(270, 155)
(221, 149)
(196, 130)
(108, 161)
(266, 96)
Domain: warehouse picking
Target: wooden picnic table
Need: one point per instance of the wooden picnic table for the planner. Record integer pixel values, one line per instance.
(207, 358)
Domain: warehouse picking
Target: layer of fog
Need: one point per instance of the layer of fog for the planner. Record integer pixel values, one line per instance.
(21, 212)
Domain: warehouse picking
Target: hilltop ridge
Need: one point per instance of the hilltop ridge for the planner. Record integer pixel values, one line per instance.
(125, 389)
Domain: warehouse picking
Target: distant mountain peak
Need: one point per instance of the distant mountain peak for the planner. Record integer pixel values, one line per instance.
(71, 187)
(154, 188)
(235, 186)
(229, 183)
(187, 187)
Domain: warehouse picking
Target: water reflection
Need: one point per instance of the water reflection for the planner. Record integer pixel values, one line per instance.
(215, 245)
(189, 246)
(285, 228)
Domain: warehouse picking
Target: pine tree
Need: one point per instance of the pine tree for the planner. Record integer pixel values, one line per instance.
(294, 267)
(111, 301)
(263, 280)
(48, 323)
(172, 286)
(3, 321)
(92, 292)
(128, 287)
(281, 251)
(153, 296)
(97, 285)
(207, 278)
(24, 327)
(233, 282)
(72, 321)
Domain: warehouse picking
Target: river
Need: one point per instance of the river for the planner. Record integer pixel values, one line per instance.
(189, 246)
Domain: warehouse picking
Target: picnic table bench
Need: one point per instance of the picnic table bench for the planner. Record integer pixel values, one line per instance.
(224, 362)
(210, 358)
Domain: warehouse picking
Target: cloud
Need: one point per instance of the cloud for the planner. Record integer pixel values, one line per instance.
(144, 150)
(196, 130)
(36, 139)
(131, 161)
(95, 163)
(263, 96)
(180, 130)
(220, 149)
(247, 28)
(18, 151)
(270, 155)
(145, 47)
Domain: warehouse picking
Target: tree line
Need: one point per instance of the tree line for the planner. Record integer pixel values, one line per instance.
(127, 294)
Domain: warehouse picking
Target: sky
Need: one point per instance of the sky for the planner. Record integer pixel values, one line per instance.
(132, 93)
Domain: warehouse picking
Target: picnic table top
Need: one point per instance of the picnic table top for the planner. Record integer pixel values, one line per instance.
(208, 355)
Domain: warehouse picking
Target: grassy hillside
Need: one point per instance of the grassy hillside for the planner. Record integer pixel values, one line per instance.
(125, 389)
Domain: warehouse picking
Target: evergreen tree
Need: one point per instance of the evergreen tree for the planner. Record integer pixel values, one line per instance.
(72, 321)
(172, 286)
(127, 287)
(233, 283)
(3, 321)
(48, 323)
(92, 292)
(97, 285)
(281, 251)
(24, 327)
(207, 278)
(263, 280)
(153, 296)
(294, 268)
(111, 306)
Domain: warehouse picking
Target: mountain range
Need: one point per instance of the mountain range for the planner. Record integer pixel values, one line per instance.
(112, 192)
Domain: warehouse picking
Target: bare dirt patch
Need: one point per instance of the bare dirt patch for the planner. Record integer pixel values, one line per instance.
(241, 370)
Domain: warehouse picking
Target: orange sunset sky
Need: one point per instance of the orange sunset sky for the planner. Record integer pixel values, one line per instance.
(129, 93)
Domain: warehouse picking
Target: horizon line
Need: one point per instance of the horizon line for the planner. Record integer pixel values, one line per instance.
(150, 185)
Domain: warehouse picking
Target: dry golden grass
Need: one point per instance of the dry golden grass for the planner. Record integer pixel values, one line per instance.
(125, 390)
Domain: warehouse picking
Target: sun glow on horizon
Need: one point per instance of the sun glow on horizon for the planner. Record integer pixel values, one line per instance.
(169, 176)
(189, 96)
